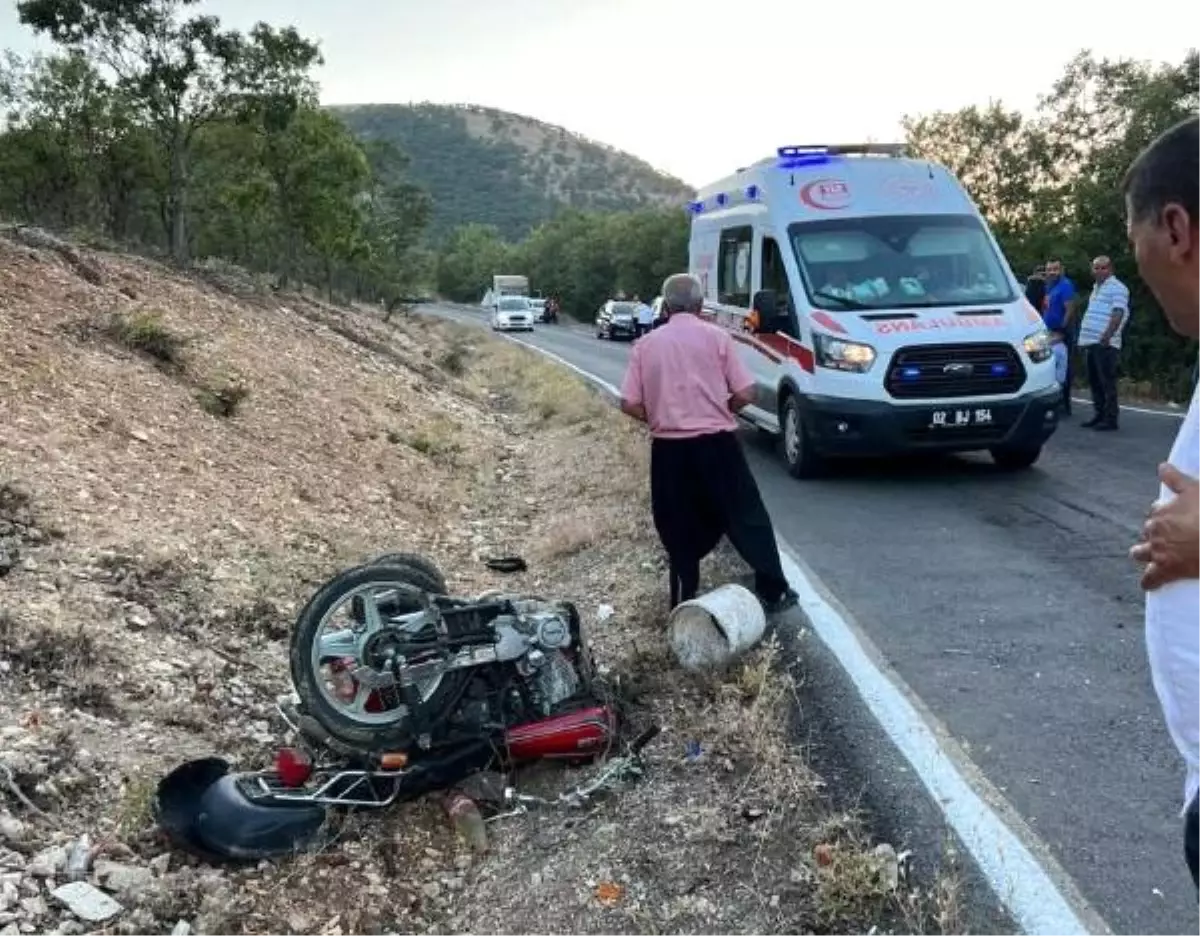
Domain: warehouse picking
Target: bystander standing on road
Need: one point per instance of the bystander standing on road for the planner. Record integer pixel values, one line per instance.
(1161, 202)
(1059, 301)
(686, 382)
(645, 316)
(1100, 334)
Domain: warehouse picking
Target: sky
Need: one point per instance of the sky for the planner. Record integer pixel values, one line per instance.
(700, 87)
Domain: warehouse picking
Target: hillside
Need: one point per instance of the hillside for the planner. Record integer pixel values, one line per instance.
(498, 168)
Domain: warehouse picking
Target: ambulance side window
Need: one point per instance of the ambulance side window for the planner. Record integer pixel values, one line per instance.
(774, 277)
(733, 267)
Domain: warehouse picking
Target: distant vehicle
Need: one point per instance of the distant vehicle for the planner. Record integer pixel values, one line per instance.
(512, 313)
(616, 319)
(504, 285)
(873, 307)
(537, 306)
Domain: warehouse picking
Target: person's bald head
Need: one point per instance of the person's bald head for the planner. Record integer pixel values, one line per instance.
(682, 292)
(1102, 268)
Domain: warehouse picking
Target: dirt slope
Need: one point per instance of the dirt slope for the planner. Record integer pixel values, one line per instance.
(184, 459)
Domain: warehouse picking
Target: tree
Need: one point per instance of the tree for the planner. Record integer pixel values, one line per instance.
(1050, 183)
(181, 73)
(473, 254)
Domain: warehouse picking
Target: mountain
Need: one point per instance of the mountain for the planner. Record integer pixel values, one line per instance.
(494, 167)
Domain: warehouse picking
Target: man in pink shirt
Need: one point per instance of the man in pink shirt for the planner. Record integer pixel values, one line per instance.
(686, 382)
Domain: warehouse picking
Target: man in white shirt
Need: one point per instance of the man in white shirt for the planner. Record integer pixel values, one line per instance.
(645, 316)
(1100, 337)
(1161, 205)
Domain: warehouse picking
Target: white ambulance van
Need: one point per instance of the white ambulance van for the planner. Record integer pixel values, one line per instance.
(874, 308)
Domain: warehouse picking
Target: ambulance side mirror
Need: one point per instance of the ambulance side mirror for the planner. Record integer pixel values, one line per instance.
(766, 304)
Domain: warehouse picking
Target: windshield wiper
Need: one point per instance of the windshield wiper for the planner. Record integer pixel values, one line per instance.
(845, 301)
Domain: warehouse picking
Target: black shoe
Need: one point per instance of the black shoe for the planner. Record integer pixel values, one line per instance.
(789, 599)
(1091, 423)
(1105, 427)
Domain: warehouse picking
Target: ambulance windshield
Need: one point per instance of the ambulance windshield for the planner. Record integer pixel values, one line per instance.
(907, 261)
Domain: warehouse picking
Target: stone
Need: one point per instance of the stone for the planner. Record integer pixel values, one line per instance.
(34, 907)
(48, 862)
(88, 903)
(12, 829)
(182, 928)
(122, 879)
(161, 864)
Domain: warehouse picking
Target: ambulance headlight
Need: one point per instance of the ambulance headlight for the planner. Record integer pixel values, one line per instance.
(1037, 345)
(838, 354)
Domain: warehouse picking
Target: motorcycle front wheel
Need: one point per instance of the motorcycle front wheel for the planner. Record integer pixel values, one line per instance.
(357, 604)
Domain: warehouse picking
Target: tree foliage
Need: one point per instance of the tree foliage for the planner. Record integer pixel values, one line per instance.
(1050, 183)
(154, 129)
(583, 258)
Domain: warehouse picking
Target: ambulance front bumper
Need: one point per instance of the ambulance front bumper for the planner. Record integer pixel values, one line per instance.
(840, 426)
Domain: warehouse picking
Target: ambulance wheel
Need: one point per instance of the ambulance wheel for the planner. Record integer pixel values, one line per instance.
(1016, 457)
(798, 454)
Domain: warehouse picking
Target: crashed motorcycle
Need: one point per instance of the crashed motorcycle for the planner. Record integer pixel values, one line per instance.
(400, 689)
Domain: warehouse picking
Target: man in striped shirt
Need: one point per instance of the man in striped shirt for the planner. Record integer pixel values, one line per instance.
(1100, 337)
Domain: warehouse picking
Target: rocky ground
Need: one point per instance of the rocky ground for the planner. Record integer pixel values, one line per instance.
(184, 459)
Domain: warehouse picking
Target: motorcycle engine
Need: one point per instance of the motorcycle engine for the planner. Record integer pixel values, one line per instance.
(529, 668)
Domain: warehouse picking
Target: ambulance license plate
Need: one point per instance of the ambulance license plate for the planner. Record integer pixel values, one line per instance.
(960, 418)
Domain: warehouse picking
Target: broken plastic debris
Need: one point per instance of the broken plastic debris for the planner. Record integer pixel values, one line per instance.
(609, 893)
(605, 613)
(507, 564)
(693, 751)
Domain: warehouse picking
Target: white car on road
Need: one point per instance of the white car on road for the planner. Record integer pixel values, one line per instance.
(512, 313)
(537, 306)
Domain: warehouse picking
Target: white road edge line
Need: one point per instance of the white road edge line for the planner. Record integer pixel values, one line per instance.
(1015, 876)
(1170, 414)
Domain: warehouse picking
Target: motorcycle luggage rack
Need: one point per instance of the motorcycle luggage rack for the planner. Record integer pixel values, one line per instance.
(345, 788)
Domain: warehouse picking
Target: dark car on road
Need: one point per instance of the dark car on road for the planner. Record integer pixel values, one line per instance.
(616, 320)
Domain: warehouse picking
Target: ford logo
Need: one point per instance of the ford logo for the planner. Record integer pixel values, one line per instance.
(959, 369)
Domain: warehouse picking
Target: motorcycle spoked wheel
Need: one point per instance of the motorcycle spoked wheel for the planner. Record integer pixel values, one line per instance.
(435, 581)
(357, 733)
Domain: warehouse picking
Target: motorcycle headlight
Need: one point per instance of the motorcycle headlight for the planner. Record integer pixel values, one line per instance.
(1037, 345)
(838, 354)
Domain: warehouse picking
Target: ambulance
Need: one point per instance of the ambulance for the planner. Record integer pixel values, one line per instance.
(874, 308)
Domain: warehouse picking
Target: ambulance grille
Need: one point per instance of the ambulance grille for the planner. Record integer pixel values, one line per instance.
(924, 372)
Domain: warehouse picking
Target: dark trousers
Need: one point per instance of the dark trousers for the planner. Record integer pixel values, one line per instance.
(1191, 839)
(1068, 334)
(1102, 365)
(701, 489)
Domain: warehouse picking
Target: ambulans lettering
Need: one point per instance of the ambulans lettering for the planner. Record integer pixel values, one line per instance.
(826, 194)
(901, 326)
(908, 189)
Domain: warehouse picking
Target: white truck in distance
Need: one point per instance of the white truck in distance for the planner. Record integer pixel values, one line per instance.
(503, 285)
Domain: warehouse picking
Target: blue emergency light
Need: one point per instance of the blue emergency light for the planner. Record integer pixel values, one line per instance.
(796, 157)
(999, 370)
(695, 207)
(722, 199)
(751, 192)
(910, 373)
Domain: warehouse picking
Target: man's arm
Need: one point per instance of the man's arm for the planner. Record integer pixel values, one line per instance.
(1070, 303)
(632, 393)
(1119, 310)
(738, 379)
(1170, 543)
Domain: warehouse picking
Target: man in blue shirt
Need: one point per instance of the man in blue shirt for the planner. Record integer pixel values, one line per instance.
(1058, 315)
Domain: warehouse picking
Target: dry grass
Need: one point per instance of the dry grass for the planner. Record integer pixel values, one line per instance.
(154, 629)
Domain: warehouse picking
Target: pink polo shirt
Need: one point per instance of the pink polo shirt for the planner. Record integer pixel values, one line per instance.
(684, 373)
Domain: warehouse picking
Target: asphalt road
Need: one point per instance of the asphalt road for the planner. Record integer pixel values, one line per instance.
(1007, 603)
